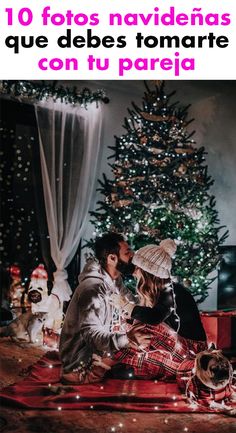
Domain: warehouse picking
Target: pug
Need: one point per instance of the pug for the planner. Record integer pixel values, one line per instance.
(214, 380)
(213, 369)
(26, 327)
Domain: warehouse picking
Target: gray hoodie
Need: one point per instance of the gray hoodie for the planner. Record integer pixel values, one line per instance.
(87, 325)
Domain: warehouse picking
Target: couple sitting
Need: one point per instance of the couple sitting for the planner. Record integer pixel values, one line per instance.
(109, 331)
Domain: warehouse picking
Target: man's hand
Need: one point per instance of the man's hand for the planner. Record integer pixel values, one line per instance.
(138, 338)
(122, 303)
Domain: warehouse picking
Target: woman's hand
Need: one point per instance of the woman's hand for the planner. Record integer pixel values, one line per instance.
(138, 338)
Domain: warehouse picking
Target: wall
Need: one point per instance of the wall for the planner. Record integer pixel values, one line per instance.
(214, 110)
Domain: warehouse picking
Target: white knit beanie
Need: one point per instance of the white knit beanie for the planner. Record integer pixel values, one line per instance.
(156, 259)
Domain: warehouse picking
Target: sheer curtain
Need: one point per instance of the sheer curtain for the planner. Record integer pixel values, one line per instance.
(70, 140)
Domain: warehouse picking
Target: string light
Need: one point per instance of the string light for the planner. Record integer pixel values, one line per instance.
(38, 92)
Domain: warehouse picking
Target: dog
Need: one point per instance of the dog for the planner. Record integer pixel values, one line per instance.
(27, 327)
(41, 302)
(213, 369)
(209, 382)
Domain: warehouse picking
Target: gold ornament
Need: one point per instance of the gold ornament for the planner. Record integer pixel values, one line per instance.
(156, 137)
(182, 169)
(187, 283)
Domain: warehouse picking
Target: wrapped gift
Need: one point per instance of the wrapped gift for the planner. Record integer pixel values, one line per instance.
(220, 327)
(50, 338)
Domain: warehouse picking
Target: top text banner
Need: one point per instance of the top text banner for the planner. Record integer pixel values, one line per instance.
(110, 39)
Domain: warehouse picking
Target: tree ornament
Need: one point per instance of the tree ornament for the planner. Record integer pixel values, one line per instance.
(182, 170)
(156, 137)
(180, 225)
(174, 133)
(187, 282)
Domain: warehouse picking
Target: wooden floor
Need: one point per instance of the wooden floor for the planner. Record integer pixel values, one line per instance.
(15, 358)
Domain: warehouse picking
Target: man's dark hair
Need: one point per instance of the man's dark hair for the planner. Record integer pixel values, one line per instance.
(107, 244)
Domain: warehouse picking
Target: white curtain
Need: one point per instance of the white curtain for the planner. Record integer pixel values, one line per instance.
(69, 139)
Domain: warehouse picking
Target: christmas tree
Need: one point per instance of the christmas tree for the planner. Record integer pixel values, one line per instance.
(161, 189)
(19, 233)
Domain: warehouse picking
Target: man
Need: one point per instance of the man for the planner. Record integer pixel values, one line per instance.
(92, 325)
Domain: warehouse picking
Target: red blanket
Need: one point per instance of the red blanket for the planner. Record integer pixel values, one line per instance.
(42, 390)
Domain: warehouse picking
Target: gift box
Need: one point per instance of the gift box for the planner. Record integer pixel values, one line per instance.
(50, 338)
(220, 327)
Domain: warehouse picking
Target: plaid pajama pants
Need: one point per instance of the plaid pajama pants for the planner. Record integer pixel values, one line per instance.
(161, 359)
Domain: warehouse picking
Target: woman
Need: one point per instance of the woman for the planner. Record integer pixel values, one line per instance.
(160, 299)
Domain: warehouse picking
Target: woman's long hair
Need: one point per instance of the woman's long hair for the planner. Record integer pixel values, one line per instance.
(149, 288)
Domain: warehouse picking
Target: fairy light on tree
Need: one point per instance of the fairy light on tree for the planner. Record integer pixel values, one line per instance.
(161, 189)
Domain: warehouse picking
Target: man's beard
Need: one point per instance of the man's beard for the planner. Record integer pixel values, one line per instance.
(125, 268)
